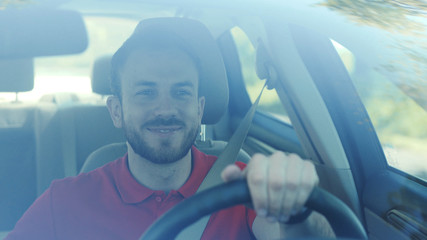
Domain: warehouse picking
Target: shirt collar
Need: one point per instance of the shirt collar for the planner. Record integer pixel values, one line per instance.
(133, 192)
(129, 189)
(202, 163)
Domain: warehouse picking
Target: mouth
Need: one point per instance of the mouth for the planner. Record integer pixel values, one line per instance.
(164, 130)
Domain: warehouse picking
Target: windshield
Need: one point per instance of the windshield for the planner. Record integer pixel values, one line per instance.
(392, 79)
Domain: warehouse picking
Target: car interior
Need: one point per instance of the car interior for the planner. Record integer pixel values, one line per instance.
(320, 116)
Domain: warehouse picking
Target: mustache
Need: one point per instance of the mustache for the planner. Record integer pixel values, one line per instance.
(159, 121)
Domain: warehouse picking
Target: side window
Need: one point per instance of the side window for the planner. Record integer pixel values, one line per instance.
(270, 102)
(399, 117)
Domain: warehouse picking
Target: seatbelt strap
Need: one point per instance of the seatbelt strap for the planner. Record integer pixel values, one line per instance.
(228, 156)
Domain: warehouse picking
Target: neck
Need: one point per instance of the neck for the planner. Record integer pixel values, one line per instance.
(164, 177)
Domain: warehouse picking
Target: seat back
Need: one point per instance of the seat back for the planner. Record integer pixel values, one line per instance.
(69, 137)
(73, 132)
(17, 142)
(104, 155)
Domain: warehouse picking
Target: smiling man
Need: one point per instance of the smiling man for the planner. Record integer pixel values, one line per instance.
(160, 111)
(156, 82)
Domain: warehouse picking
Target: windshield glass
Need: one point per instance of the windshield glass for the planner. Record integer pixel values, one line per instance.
(392, 80)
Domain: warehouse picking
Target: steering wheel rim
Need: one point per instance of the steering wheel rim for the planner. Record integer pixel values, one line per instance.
(341, 218)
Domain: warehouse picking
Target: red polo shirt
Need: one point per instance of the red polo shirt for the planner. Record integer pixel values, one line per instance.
(108, 203)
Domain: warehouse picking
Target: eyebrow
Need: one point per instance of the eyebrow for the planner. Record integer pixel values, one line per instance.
(184, 84)
(145, 83)
(153, 84)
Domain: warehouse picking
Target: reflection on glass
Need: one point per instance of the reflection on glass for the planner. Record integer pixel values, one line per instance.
(399, 119)
(405, 24)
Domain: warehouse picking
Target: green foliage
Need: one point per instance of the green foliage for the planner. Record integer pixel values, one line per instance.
(18, 4)
(390, 15)
(406, 24)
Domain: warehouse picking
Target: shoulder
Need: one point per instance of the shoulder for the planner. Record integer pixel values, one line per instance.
(199, 155)
(87, 182)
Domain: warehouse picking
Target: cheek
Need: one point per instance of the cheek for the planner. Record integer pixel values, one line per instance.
(194, 115)
(133, 116)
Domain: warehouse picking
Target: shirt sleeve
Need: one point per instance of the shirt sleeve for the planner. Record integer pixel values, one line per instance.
(241, 165)
(37, 221)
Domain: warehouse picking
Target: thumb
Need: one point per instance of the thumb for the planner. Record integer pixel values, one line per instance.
(231, 173)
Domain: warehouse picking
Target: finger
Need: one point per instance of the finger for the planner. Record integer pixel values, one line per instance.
(309, 180)
(231, 173)
(276, 180)
(257, 183)
(292, 183)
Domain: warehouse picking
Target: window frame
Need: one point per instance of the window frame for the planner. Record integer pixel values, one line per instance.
(380, 189)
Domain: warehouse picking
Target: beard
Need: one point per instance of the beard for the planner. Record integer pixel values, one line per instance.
(165, 153)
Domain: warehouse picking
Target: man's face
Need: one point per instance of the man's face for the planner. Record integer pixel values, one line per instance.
(161, 111)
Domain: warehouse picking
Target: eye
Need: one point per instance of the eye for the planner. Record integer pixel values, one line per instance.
(146, 92)
(183, 92)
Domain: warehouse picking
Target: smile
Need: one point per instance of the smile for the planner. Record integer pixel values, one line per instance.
(164, 130)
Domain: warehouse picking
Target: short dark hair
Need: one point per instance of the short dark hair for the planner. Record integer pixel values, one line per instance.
(139, 40)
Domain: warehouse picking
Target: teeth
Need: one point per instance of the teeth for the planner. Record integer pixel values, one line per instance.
(164, 131)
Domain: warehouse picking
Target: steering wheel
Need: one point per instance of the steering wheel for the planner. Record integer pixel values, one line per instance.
(342, 219)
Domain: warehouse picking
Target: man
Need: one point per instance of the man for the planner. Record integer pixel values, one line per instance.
(156, 77)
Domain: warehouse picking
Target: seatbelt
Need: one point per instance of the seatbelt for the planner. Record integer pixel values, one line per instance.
(227, 157)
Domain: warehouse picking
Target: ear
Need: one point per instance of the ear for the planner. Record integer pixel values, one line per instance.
(201, 107)
(115, 108)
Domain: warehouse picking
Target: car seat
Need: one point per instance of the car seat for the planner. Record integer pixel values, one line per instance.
(70, 132)
(17, 141)
(213, 86)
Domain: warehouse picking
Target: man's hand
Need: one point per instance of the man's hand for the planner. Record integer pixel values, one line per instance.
(280, 184)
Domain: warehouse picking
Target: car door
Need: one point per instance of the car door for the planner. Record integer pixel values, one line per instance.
(381, 128)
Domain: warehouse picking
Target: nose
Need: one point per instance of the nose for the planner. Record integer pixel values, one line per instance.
(165, 107)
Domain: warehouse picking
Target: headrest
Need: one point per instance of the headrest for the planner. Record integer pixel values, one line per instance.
(37, 31)
(101, 75)
(16, 75)
(212, 74)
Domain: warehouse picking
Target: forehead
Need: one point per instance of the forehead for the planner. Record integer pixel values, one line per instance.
(160, 64)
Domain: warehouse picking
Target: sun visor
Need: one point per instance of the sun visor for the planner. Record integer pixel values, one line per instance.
(29, 33)
(17, 75)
